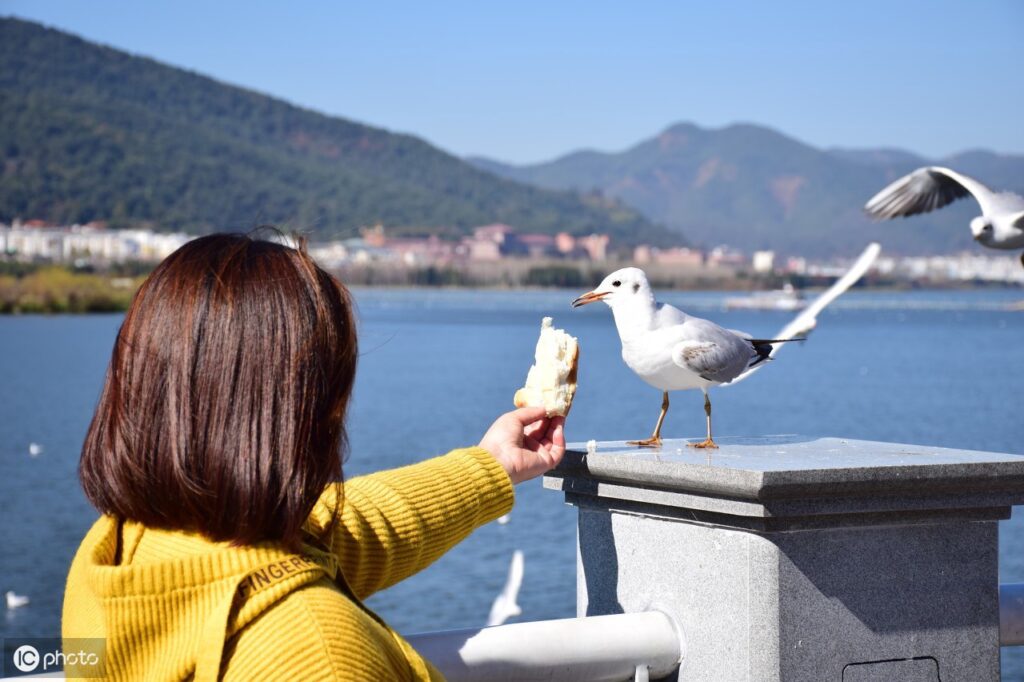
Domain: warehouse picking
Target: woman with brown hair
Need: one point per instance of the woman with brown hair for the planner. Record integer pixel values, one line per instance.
(228, 548)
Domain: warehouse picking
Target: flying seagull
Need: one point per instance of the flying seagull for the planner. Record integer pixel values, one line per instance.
(1000, 225)
(804, 323)
(671, 350)
(505, 605)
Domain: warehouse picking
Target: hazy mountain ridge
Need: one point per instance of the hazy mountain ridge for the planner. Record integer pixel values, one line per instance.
(89, 132)
(752, 187)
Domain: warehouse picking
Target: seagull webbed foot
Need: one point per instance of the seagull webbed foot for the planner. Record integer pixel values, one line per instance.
(706, 443)
(652, 442)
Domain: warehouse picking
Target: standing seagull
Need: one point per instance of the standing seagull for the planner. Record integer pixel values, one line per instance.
(1000, 225)
(671, 350)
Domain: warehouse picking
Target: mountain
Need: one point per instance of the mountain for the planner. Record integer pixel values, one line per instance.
(91, 133)
(754, 188)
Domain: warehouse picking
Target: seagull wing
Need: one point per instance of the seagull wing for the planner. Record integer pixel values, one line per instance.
(924, 190)
(804, 323)
(718, 362)
(505, 605)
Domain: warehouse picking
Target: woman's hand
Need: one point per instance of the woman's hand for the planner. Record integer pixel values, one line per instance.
(526, 442)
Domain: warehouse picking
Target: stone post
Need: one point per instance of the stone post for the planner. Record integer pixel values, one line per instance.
(788, 558)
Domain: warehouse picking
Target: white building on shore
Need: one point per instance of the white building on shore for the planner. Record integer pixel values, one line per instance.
(34, 241)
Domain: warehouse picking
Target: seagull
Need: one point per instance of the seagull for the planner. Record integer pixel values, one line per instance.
(15, 601)
(804, 323)
(671, 350)
(35, 449)
(505, 605)
(1000, 225)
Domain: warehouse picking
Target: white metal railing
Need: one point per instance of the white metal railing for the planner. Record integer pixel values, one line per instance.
(1011, 614)
(622, 646)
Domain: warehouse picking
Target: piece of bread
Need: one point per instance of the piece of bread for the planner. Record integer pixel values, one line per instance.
(551, 382)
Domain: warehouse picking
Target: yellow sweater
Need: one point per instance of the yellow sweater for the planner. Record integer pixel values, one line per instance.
(177, 605)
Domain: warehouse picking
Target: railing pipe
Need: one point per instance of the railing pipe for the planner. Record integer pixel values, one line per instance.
(1011, 614)
(597, 648)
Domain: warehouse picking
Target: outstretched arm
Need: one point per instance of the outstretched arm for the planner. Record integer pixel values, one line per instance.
(395, 523)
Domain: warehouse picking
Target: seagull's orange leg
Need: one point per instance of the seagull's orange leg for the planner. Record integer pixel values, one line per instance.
(655, 440)
(708, 443)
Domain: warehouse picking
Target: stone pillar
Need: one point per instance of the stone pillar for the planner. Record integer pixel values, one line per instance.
(788, 558)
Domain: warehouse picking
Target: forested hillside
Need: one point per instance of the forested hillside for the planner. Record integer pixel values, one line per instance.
(92, 133)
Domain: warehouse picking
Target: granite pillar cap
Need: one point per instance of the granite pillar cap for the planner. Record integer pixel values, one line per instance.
(786, 475)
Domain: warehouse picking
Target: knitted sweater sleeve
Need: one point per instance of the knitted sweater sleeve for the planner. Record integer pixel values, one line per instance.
(392, 524)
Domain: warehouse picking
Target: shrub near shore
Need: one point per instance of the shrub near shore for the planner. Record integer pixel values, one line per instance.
(59, 290)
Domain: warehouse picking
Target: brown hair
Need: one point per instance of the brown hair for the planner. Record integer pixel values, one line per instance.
(224, 405)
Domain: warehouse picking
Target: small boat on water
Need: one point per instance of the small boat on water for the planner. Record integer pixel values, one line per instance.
(786, 298)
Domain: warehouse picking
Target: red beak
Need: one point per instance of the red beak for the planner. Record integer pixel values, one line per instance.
(589, 297)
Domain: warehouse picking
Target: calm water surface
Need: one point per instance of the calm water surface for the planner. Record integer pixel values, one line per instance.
(437, 367)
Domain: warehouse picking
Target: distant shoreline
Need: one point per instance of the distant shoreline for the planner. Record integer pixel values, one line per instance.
(57, 290)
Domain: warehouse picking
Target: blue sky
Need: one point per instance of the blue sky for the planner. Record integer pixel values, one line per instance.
(528, 81)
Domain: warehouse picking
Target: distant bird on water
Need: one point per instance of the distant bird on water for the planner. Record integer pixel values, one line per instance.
(35, 449)
(1000, 225)
(671, 350)
(15, 601)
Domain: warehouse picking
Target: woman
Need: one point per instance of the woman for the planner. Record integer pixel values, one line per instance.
(227, 546)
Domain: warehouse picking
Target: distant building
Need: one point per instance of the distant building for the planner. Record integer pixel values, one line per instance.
(498, 233)
(35, 240)
(482, 249)
(679, 256)
(538, 245)
(796, 265)
(763, 262)
(429, 251)
(360, 251)
(595, 246)
(565, 243)
(726, 256)
(374, 236)
(330, 254)
(492, 242)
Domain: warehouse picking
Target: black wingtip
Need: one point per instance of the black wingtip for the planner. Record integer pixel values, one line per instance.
(763, 348)
(764, 352)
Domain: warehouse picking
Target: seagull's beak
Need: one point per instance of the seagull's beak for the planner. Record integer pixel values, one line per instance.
(589, 297)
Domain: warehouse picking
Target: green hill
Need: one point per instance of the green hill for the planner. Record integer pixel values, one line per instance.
(754, 188)
(91, 133)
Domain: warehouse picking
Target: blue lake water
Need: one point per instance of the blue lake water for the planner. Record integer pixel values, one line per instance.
(436, 367)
